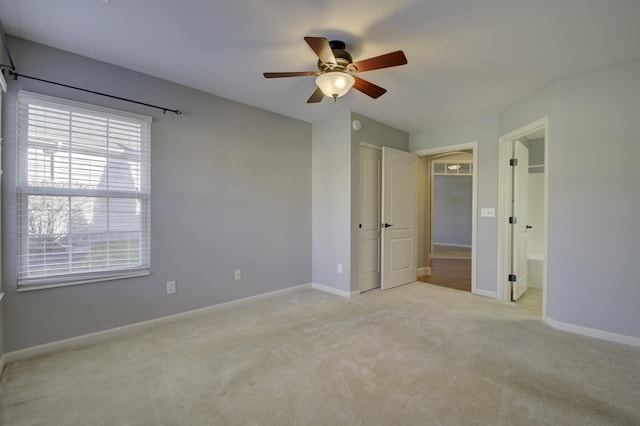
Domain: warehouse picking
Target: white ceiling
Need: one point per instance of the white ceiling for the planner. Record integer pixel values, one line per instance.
(466, 58)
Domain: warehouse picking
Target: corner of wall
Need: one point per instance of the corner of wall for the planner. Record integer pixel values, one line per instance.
(331, 195)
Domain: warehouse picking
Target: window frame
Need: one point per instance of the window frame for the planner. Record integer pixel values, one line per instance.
(24, 191)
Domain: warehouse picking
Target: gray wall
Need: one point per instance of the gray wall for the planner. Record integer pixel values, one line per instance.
(593, 208)
(376, 133)
(331, 202)
(452, 209)
(336, 185)
(230, 188)
(485, 132)
(3, 60)
(593, 116)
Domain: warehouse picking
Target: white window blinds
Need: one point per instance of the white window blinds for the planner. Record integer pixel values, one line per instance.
(83, 192)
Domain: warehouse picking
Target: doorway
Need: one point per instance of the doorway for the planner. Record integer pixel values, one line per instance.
(522, 217)
(448, 237)
(387, 225)
(450, 190)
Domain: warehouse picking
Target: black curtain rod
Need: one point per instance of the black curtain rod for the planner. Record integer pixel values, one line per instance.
(164, 110)
(6, 47)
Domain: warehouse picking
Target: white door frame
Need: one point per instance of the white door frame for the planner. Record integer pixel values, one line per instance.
(504, 175)
(360, 251)
(473, 146)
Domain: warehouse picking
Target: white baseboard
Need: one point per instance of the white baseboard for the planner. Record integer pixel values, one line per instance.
(592, 332)
(100, 336)
(452, 245)
(426, 270)
(335, 291)
(2, 357)
(486, 293)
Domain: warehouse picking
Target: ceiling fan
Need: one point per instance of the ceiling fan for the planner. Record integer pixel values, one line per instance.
(336, 70)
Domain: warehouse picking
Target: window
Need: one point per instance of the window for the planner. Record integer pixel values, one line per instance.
(83, 192)
(453, 168)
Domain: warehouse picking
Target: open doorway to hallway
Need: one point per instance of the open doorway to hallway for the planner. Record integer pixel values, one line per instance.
(448, 219)
(450, 273)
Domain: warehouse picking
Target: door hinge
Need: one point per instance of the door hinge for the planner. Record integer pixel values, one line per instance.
(513, 220)
(512, 278)
(513, 162)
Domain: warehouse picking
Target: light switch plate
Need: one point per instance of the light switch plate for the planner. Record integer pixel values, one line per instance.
(487, 212)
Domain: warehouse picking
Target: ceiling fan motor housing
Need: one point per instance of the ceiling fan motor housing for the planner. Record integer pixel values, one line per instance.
(343, 58)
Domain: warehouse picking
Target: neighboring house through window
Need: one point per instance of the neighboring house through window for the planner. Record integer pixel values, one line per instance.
(83, 192)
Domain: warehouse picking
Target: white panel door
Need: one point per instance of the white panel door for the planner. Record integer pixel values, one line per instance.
(399, 218)
(369, 218)
(520, 210)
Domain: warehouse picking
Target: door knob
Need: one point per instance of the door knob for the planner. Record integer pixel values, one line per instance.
(529, 226)
(386, 225)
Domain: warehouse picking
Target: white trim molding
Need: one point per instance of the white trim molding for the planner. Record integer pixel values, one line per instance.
(335, 291)
(485, 293)
(425, 270)
(2, 364)
(592, 332)
(2, 357)
(446, 149)
(100, 336)
(370, 145)
(3, 83)
(452, 244)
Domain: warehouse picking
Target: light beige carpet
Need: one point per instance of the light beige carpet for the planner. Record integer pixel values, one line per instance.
(531, 300)
(415, 355)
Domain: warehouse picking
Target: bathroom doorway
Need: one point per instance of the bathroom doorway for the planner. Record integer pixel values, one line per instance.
(522, 217)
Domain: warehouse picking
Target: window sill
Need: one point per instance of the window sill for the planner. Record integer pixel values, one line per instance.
(46, 285)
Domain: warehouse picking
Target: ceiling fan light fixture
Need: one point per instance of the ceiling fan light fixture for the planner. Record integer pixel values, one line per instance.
(335, 84)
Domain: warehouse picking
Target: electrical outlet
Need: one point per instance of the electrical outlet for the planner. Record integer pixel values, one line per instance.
(238, 274)
(339, 268)
(171, 287)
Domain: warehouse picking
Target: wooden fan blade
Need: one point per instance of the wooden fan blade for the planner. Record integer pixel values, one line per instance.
(287, 74)
(321, 46)
(368, 88)
(316, 97)
(392, 59)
